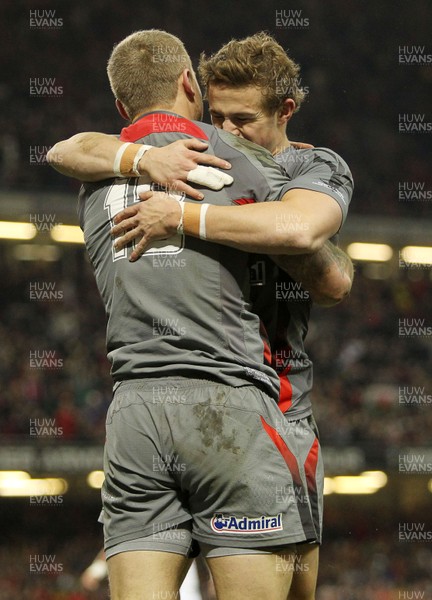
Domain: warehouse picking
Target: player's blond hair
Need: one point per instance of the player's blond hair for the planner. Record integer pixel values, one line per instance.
(257, 60)
(144, 68)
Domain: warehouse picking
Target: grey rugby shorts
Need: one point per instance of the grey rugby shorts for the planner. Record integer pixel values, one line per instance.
(196, 456)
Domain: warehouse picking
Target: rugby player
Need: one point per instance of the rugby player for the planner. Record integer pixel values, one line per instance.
(232, 512)
(253, 91)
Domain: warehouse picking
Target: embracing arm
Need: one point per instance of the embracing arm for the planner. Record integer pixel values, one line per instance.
(85, 156)
(327, 275)
(90, 156)
(301, 223)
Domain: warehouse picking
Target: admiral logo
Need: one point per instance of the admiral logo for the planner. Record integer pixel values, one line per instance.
(230, 524)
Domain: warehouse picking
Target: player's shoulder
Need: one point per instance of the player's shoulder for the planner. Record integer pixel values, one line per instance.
(245, 150)
(297, 161)
(327, 154)
(330, 164)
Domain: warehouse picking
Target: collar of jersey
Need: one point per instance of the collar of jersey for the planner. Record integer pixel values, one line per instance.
(157, 122)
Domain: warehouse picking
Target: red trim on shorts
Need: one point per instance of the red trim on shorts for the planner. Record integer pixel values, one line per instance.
(244, 201)
(160, 123)
(310, 466)
(287, 455)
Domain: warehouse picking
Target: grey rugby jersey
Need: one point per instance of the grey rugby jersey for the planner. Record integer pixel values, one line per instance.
(179, 310)
(282, 304)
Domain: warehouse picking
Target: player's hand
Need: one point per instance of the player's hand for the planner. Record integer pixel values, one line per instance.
(156, 218)
(301, 145)
(182, 161)
(89, 582)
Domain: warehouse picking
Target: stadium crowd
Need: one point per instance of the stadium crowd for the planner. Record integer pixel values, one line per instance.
(356, 116)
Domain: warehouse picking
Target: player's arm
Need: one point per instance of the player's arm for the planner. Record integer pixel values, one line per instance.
(300, 223)
(93, 156)
(327, 274)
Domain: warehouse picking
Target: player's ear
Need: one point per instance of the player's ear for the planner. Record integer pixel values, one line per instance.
(286, 111)
(187, 83)
(121, 109)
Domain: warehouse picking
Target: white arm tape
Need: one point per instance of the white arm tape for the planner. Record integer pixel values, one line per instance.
(117, 160)
(202, 225)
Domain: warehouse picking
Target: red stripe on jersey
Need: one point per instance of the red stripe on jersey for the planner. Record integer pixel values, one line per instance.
(285, 393)
(265, 341)
(244, 201)
(287, 455)
(160, 123)
(311, 466)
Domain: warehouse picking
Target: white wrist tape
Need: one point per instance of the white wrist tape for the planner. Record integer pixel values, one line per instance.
(118, 157)
(181, 222)
(202, 223)
(138, 157)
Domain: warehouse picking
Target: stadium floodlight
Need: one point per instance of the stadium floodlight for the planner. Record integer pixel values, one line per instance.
(14, 230)
(419, 255)
(42, 252)
(67, 234)
(20, 483)
(368, 482)
(371, 252)
(95, 479)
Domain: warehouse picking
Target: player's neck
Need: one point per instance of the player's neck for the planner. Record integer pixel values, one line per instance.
(281, 143)
(185, 108)
(180, 108)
